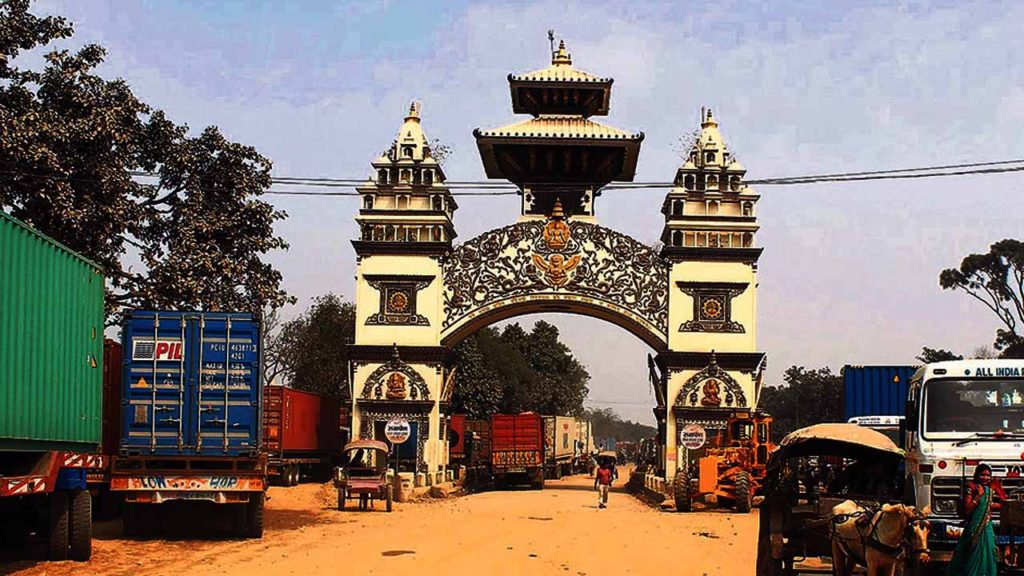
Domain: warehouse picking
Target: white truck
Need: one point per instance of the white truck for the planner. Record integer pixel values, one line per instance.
(958, 415)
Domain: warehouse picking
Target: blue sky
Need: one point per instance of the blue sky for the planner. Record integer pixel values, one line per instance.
(850, 271)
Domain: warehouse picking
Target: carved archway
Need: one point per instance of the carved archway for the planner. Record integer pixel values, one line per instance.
(555, 266)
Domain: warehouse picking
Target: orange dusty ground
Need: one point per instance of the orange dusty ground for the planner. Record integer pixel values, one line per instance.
(558, 530)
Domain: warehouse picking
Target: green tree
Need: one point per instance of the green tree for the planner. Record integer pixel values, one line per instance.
(71, 145)
(479, 389)
(606, 423)
(515, 371)
(312, 349)
(807, 397)
(929, 355)
(996, 279)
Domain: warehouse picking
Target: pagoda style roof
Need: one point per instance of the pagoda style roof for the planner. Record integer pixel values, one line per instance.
(559, 73)
(560, 89)
(561, 127)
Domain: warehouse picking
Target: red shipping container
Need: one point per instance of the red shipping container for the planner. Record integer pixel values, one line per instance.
(111, 397)
(296, 421)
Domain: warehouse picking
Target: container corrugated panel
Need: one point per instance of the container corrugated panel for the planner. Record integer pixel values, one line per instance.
(112, 370)
(297, 421)
(191, 384)
(51, 343)
(875, 390)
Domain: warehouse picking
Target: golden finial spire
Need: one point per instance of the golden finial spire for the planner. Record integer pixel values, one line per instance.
(708, 120)
(561, 56)
(556, 212)
(414, 111)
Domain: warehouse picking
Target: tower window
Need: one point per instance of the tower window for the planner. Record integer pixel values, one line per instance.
(734, 183)
(677, 207)
(677, 238)
(712, 208)
(428, 177)
(406, 176)
(382, 176)
(748, 209)
(712, 182)
(709, 156)
(688, 182)
(407, 151)
(368, 202)
(438, 203)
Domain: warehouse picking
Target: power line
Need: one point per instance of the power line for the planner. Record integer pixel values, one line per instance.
(493, 188)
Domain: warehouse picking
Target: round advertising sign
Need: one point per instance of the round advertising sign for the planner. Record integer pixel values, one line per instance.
(397, 430)
(692, 436)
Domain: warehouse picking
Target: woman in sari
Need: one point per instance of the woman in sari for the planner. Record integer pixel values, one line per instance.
(975, 553)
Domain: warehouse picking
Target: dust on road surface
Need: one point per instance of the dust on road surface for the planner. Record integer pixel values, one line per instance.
(559, 530)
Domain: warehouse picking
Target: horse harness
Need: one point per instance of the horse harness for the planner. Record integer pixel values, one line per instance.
(871, 539)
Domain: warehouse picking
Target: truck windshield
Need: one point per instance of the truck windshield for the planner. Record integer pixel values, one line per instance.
(954, 408)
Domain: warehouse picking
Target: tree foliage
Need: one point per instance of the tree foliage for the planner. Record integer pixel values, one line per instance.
(996, 279)
(606, 423)
(929, 355)
(515, 371)
(807, 397)
(311, 351)
(70, 145)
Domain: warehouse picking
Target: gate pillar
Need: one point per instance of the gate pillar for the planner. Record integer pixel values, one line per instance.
(711, 368)
(397, 366)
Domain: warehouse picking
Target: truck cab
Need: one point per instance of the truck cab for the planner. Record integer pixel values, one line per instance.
(958, 415)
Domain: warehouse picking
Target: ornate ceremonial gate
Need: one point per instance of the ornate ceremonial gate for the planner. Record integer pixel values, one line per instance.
(693, 301)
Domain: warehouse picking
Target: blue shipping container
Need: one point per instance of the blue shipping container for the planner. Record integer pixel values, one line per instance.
(875, 390)
(192, 384)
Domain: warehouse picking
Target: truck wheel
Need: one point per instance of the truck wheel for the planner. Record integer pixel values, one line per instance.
(341, 499)
(57, 536)
(254, 515)
(743, 495)
(681, 491)
(80, 538)
(389, 496)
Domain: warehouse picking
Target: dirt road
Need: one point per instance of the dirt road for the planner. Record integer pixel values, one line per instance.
(558, 530)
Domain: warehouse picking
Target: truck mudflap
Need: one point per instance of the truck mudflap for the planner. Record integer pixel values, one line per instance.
(44, 478)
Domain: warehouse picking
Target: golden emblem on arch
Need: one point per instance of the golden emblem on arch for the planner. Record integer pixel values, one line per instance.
(396, 386)
(712, 389)
(556, 231)
(556, 269)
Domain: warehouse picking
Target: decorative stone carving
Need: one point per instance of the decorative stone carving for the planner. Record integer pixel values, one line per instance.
(533, 259)
(398, 300)
(402, 382)
(712, 306)
(704, 389)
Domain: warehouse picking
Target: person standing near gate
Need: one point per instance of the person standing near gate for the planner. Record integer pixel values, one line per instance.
(603, 483)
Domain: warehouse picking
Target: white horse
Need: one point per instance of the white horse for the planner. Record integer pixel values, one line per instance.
(878, 540)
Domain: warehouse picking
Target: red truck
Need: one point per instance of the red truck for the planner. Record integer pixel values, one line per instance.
(301, 433)
(517, 449)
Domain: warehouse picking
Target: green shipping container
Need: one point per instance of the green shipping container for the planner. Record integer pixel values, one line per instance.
(51, 344)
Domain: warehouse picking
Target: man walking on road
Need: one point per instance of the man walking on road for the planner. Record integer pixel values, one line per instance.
(603, 483)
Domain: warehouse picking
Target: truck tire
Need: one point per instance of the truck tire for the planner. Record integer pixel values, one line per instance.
(341, 499)
(389, 496)
(254, 515)
(57, 534)
(80, 537)
(681, 491)
(743, 495)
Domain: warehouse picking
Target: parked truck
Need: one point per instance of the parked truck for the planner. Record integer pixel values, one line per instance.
(190, 423)
(517, 449)
(559, 445)
(875, 396)
(960, 414)
(301, 434)
(51, 388)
